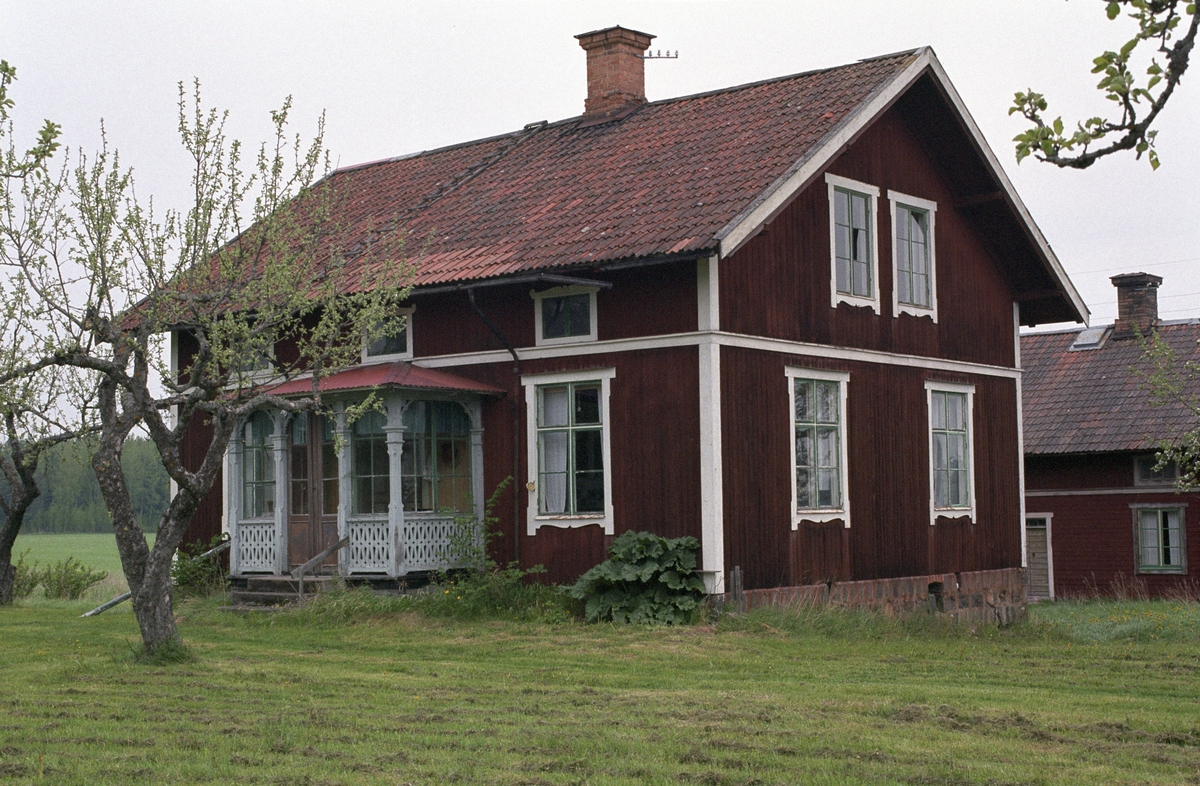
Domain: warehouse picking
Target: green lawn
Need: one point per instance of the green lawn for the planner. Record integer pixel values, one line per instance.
(1085, 694)
(96, 550)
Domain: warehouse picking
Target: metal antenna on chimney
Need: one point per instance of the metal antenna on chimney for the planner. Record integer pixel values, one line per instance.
(661, 55)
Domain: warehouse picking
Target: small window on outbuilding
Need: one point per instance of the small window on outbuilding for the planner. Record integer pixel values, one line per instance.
(1160, 535)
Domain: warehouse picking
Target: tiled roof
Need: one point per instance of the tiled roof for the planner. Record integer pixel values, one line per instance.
(1088, 401)
(384, 375)
(664, 180)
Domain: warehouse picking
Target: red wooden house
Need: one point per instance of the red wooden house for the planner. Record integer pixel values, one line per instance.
(1101, 515)
(781, 318)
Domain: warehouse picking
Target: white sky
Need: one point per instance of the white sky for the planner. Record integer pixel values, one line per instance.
(396, 78)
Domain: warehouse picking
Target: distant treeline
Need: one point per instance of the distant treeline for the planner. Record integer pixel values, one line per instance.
(71, 501)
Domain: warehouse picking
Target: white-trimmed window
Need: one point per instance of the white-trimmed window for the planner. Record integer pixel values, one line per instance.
(914, 289)
(396, 345)
(951, 450)
(853, 242)
(1147, 473)
(569, 452)
(258, 467)
(565, 315)
(820, 488)
(435, 462)
(1159, 532)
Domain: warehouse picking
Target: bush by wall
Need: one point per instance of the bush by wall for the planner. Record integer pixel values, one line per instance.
(647, 579)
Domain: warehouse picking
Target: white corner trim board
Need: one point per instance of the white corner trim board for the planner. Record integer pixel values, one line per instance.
(531, 382)
(712, 493)
(842, 512)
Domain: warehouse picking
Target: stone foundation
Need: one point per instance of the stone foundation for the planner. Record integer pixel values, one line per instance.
(994, 597)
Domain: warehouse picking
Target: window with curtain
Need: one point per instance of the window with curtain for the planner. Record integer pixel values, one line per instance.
(258, 467)
(949, 412)
(570, 449)
(435, 462)
(1160, 540)
(818, 420)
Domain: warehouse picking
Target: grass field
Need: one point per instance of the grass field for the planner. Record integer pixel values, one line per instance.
(1085, 693)
(96, 550)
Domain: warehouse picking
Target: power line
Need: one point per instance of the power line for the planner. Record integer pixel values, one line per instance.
(1146, 264)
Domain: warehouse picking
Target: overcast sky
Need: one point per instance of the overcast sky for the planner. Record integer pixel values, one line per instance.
(396, 78)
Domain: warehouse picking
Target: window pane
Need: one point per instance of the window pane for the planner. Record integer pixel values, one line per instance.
(920, 289)
(826, 490)
(803, 490)
(552, 461)
(954, 410)
(940, 460)
(394, 344)
(841, 210)
(858, 204)
(902, 221)
(804, 406)
(938, 409)
(804, 446)
(843, 274)
(861, 280)
(919, 222)
(827, 447)
(587, 404)
(588, 454)
(589, 492)
(555, 406)
(827, 402)
(941, 482)
(569, 315)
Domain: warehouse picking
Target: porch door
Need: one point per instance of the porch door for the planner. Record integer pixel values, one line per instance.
(1037, 557)
(313, 484)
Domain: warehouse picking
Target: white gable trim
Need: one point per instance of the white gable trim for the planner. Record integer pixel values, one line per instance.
(746, 224)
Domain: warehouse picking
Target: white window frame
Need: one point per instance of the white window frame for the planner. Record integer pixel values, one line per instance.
(932, 386)
(842, 378)
(574, 289)
(407, 312)
(896, 199)
(834, 182)
(1158, 484)
(1141, 570)
(531, 383)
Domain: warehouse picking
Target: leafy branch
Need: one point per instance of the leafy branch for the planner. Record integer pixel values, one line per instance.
(1158, 23)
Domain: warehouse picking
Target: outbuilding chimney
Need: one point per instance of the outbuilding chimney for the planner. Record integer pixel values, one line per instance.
(1137, 304)
(616, 75)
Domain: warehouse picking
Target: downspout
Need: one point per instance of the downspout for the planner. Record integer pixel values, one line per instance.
(512, 405)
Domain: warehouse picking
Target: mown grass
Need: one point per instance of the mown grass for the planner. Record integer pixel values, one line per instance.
(369, 695)
(96, 550)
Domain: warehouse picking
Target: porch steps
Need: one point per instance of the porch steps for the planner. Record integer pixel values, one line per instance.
(266, 592)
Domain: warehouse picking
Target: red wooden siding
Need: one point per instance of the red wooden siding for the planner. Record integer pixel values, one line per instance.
(655, 406)
(887, 437)
(206, 521)
(779, 284)
(645, 301)
(1092, 535)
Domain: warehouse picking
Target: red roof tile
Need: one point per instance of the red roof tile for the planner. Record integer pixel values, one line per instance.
(395, 375)
(1091, 400)
(664, 180)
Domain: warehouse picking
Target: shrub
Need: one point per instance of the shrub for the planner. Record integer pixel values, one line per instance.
(192, 575)
(69, 579)
(26, 579)
(647, 579)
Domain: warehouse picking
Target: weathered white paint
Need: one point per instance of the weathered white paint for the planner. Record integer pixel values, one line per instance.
(792, 373)
(969, 390)
(393, 430)
(833, 182)
(708, 294)
(531, 382)
(712, 478)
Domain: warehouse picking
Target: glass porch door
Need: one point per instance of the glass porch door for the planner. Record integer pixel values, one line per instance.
(313, 489)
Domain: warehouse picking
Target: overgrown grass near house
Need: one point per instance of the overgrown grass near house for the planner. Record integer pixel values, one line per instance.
(378, 697)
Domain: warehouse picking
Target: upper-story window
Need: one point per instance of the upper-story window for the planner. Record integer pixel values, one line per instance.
(394, 345)
(565, 315)
(913, 256)
(1148, 473)
(853, 241)
(951, 449)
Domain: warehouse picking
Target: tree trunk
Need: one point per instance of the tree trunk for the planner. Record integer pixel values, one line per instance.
(8, 538)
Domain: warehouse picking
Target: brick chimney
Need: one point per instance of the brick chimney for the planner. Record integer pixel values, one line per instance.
(616, 76)
(1137, 304)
